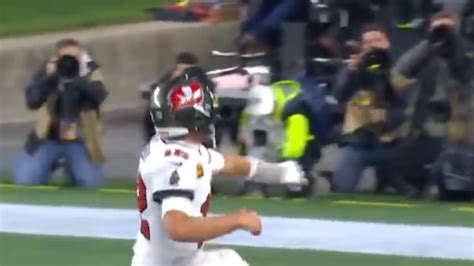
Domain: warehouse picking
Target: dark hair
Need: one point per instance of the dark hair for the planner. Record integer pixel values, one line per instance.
(444, 14)
(66, 43)
(187, 58)
(373, 27)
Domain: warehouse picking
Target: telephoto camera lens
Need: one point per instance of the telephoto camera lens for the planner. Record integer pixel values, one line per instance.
(68, 66)
(376, 61)
(374, 68)
(442, 39)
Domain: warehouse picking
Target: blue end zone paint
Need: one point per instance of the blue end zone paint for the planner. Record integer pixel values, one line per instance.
(314, 234)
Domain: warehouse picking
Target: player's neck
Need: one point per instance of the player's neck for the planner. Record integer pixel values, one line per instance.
(193, 140)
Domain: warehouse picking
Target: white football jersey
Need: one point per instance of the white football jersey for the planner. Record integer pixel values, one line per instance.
(172, 176)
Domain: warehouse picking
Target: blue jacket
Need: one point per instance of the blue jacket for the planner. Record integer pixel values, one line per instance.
(266, 21)
(311, 103)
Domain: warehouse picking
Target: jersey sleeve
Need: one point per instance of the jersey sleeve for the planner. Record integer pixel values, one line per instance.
(216, 160)
(176, 182)
(176, 204)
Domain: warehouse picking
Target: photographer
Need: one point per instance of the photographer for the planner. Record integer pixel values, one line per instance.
(374, 111)
(66, 92)
(439, 69)
(444, 51)
(347, 82)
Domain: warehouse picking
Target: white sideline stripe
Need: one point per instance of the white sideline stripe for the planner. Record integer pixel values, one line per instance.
(358, 237)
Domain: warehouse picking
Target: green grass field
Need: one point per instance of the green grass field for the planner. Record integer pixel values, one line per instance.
(389, 209)
(41, 250)
(54, 250)
(21, 17)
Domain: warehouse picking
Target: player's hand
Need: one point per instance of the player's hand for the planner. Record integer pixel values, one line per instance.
(292, 174)
(250, 221)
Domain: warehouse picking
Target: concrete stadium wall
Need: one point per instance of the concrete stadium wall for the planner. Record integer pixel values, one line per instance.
(129, 56)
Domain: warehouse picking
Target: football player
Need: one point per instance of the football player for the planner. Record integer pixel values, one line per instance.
(174, 182)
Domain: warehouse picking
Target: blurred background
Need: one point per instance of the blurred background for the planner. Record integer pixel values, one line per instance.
(374, 99)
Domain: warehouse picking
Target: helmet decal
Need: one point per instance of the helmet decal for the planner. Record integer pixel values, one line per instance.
(182, 106)
(186, 96)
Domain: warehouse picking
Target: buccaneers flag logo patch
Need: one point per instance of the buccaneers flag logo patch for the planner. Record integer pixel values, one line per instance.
(184, 96)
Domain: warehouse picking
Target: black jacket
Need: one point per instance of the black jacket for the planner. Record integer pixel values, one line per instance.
(41, 85)
(59, 100)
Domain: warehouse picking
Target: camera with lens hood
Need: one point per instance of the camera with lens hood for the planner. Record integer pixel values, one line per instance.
(68, 67)
(442, 39)
(374, 67)
(71, 89)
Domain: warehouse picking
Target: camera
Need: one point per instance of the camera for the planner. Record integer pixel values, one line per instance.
(376, 62)
(68, 67)
(442, 39)
(68, 70)
(374, 67)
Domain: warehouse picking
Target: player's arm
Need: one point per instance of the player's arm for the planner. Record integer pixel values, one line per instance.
(176, 195)
(235, 166)
(184, 228)
(230, 165)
